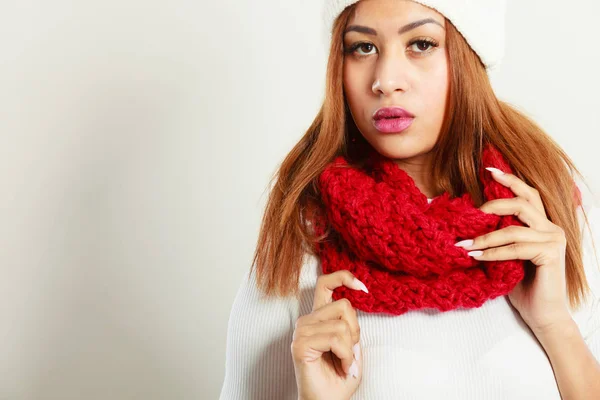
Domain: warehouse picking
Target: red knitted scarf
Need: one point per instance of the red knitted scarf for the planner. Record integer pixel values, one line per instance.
(401, 247)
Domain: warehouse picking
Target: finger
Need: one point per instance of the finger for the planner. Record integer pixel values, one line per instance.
(327, 283)
(310, 348)
(520, 208)
(519, 188)
(338, 326)
(538, 253)
(510, 234)
(338, 310)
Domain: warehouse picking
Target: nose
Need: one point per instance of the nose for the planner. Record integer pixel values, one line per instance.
(391, 75)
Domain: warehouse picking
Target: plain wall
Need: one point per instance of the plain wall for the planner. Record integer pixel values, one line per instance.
(137, 139)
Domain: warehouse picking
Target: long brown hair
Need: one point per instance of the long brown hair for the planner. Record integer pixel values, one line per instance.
(474, 116)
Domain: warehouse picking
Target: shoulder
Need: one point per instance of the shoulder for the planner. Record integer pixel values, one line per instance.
(250, 304)
(259, 335)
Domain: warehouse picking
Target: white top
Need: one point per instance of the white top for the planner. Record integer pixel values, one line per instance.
(480, 353)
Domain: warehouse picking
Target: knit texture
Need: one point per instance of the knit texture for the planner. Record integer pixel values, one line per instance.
(481, 23)
(401, 247)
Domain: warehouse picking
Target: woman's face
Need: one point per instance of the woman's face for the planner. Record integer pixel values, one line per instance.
(387, 68)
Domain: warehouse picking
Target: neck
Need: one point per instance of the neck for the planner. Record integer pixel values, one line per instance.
(419, 169)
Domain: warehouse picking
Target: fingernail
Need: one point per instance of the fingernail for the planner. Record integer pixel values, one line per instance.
(356, 351)
(496, 170)
(353, 369)
(475, 253)
(464, 243)
(360, 285)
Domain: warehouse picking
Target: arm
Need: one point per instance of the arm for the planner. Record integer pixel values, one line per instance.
(258, 361)
(575, 367)
(574, 347)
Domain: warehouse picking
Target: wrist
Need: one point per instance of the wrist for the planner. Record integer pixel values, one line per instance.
(562, 326)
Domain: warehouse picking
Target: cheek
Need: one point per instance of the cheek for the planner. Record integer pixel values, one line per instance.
(352, 84)
(435, 93)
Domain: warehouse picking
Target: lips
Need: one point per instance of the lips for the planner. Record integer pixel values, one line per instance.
(391, 112)
(392, 119)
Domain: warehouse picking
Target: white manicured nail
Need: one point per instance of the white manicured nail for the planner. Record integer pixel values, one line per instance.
(353, 369)
(356, 351)
(361, 285)
(496, 170)
(475, 253)
(464, 243)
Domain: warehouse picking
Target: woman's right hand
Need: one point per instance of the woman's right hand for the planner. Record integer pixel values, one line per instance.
(325, 346)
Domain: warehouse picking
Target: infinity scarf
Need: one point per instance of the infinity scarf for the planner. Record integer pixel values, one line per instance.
(384, 231)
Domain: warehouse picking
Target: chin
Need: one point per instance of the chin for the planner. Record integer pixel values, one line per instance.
(399, 149)
(399, 154)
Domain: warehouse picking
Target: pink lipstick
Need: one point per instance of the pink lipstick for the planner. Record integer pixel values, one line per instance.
(392, 119)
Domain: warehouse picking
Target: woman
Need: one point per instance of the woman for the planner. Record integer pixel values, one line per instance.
(424, 239)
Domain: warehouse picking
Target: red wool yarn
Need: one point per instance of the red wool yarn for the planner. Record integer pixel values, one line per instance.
(383, 230)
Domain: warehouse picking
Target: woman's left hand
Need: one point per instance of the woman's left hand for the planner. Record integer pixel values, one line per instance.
(542, 302)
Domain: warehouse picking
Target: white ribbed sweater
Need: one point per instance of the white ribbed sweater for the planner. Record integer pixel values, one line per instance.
(485, 353)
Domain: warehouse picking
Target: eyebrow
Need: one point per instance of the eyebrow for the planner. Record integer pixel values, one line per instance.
(404, 29)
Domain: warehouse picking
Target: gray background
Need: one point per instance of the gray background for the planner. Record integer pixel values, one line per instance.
(137, 139)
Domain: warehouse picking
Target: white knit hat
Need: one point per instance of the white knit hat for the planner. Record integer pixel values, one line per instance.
(481, 22)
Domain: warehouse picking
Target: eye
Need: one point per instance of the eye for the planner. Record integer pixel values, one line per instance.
(423, 45)
(360, 45)
(418, 46)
